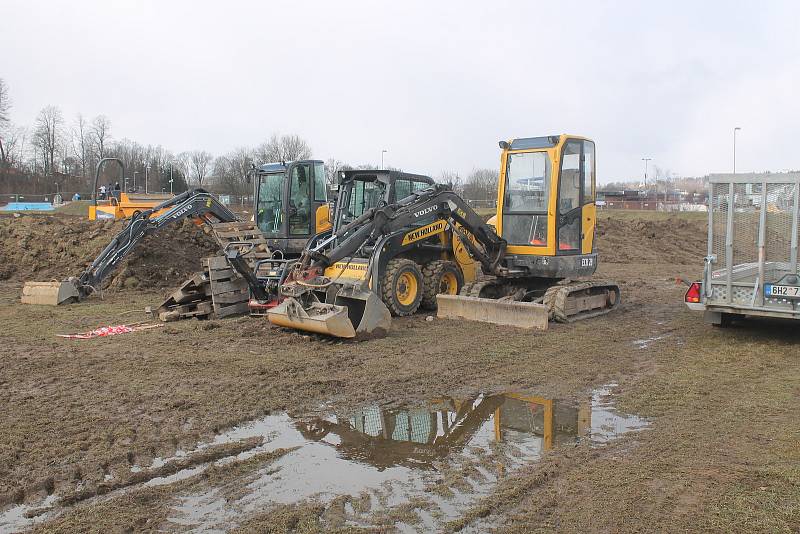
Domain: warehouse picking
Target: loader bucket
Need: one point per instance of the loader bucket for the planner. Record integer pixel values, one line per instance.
(49, 293)
(503, 312)
(354, 314)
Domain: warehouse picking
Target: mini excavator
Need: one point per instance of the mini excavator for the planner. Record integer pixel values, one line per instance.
(198, 204)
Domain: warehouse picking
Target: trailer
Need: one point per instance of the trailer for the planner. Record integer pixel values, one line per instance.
(751, 266)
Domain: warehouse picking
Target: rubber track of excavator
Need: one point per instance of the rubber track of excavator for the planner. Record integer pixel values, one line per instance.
(557, 299)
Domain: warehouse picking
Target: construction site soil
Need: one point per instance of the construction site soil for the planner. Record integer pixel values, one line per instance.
(658, 422)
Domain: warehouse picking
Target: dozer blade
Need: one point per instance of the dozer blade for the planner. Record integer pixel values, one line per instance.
(49, 293)
(503, 312)
(354, 314)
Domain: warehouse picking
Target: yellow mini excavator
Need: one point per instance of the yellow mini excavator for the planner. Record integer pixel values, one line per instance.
(350, 282)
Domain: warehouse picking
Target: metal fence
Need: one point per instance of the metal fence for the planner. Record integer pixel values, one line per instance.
(752, 241)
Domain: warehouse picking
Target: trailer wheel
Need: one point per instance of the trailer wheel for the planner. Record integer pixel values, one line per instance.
(440, 277)
(402, 287)
(725, 320)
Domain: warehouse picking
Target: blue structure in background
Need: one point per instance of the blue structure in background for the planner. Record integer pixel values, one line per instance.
(28, 206)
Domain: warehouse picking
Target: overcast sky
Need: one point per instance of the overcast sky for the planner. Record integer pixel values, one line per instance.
(437, 84)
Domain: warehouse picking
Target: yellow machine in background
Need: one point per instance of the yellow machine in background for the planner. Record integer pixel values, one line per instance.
(126, 206)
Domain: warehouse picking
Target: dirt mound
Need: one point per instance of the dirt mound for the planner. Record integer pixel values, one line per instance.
(53, 247)
(634, 240)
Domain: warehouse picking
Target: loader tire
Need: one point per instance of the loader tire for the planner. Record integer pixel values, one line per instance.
(402, 287)
(440, 276)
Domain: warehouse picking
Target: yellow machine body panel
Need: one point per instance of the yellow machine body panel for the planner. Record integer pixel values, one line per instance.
(554, 166)
(322, 218)
(348, 270)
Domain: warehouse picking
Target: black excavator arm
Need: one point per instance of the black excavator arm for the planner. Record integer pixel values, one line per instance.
(195, 203)
(439, 201)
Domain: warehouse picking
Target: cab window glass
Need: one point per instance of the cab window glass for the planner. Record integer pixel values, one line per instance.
(320, 193)
(402, 189)
(300, 200)
(588, 172)
(528, 182)
(570, 187)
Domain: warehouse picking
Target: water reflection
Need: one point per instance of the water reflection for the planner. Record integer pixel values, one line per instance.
(418, 436)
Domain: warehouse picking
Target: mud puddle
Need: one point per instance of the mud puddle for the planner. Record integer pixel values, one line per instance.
(413, 467)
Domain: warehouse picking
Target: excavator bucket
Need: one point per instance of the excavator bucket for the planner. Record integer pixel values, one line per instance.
(49, 293)
(503, 312)
(355, 313)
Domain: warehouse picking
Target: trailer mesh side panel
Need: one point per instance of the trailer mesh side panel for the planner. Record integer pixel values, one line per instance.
(747, 203)
(740, 205)
(719, 205)
(780, 203)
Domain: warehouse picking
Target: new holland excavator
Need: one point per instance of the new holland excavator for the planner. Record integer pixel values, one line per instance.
(349, 282)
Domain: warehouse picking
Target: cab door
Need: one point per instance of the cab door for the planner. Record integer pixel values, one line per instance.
(300, 209)
(571, 195)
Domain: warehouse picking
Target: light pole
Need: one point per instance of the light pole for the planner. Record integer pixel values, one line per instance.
(734, 148)
(384, 151)
(134, 180)
(56, 184)
(645, 172)
(170, 178)
(146, 173)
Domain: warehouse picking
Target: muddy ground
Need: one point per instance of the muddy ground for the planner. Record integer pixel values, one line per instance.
(79, 417)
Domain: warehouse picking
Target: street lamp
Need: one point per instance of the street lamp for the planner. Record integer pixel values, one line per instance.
(134, 180)
(146, 173)
(56, 184)
(384, 151)
(645, 172)
(170, 178)
(734, 148)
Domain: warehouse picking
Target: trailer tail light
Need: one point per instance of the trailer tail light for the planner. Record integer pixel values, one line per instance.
(693, 293)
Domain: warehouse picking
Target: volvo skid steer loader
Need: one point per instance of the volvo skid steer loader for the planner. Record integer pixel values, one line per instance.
(350, 282)
(365, 271)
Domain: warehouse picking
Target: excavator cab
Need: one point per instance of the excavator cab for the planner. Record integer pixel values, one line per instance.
(546, 205)
(291, 204)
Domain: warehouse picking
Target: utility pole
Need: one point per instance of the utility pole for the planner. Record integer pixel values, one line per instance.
(146, 174)
(384, 151)
(170, 178)
(645, 172)
(734, 148)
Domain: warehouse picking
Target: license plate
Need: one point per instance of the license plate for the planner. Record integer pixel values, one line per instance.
(773, 290)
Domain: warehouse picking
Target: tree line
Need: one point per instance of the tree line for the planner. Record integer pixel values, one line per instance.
(68, 151)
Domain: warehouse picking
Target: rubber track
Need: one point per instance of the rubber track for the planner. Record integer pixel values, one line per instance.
(556, 299)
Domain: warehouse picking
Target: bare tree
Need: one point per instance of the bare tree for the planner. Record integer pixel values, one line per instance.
(81, 142)
(453, 180)
(481, 184)
(283, 148)
(332, 167)
(5, 119)
(231, 170)
(101, 134)
(47, 135)
(199, 165)
(14, 145)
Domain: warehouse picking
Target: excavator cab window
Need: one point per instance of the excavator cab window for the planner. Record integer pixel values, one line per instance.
(270, 203)
(300, 200)
(320, 191)
(527, 190)
(569, 197)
